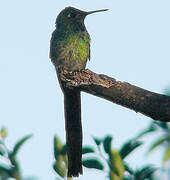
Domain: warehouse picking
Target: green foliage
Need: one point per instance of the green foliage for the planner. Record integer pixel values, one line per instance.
(111, 157)
(59, 168)
(162, 129)
(19, 144)
(163, 140)
(64, 150)
(128, 169)
(58, 147)
(4, 169)
(61, 163)
(87, 149)
(12, 171)
(157, 143)
(93, 163)
(163, 125)
(97, 141)
(128, 147)
(102, 157)
(3, 133)
(2, 151)
(117, 168)
(166, 156)
(144, 173)
(107, 144)
(151, 128)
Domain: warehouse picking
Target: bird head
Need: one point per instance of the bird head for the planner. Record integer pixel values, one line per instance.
(71, 16)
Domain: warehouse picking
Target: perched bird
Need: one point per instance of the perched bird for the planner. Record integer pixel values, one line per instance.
(70, 50)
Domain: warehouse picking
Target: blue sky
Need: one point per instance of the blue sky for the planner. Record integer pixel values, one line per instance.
(130, 42)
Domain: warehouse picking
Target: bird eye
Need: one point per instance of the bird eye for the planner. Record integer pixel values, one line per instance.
(71, 15)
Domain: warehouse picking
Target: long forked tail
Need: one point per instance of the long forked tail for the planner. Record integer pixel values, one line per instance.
(72, 106)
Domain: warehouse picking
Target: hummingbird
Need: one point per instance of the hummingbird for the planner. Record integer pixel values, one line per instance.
(70, 50)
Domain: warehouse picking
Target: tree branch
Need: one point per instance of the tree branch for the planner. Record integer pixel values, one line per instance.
(151, 104)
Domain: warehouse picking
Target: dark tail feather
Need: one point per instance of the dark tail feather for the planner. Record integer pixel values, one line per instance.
(72, 105)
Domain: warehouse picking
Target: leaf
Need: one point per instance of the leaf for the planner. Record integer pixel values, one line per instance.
(150, 129)
(58, 147)
(3, 132)
(59, 169)
(65, 160)
(2, 151)
(127, 178)
(19, 144)
(157, 143)
(163, 125)
(116, 163)
(97, 141)
(113, 176)
(4, 169)
(145, 172)
(93, 163)
(64, 150)
(13, 161)
(87, 149)
(107, 144)
(1, 142)
(166, 155)
(128, 169)
(128, 147)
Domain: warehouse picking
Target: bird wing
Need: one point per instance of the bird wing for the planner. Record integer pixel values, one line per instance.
(52, 53)
(89, 55)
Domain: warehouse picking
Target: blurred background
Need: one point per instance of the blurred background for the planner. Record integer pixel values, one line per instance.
(130, 42)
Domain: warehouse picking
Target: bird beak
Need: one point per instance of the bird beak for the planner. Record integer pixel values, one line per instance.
(91, 12)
